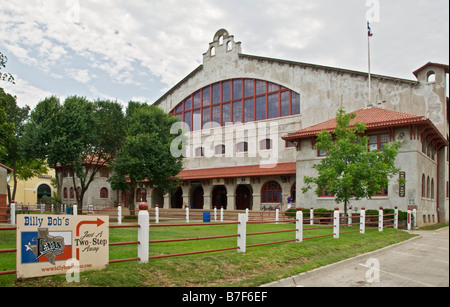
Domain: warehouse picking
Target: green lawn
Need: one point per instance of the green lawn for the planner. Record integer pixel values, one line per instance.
(259, 265)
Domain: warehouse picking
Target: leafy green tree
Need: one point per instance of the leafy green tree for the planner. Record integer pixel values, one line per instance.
(350, 170)
(145, 156)
(80, 135)
(3, 75)
(23, 169)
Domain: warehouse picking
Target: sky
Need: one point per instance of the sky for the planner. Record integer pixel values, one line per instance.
(137, 50)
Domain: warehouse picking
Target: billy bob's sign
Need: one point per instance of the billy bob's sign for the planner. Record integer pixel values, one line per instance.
(54, 244)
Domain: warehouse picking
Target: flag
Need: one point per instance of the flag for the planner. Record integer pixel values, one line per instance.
(369, 30)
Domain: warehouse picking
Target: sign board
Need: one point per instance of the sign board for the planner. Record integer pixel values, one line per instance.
(46, 243)
(401, 187)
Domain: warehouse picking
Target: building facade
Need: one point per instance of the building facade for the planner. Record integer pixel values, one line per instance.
(236, 109)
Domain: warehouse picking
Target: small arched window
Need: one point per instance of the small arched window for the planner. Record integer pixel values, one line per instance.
(423, 185)
(221, 40)
(431, 77)
(428, 187)
(229, 46)
(219, 150)
(104, 193)
(432, 188)
(242, 147)
(65, 193)
(271, 192)
(265, 144)
(213, 51)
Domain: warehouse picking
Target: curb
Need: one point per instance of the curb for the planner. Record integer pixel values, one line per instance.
(294, 280)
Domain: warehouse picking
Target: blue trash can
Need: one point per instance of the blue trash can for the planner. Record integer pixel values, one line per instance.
(68, 210)
(206, 217)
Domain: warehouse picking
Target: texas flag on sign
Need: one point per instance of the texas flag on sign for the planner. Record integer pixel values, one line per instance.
(369, 30)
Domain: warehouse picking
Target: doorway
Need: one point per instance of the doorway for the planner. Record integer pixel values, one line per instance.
(219, 197)
(243, 197)
(197, 198)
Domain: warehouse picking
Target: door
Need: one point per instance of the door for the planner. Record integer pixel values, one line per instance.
(243, 197)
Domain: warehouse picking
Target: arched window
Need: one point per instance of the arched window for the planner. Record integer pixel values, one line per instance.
(423, 185)
(200, 152)
(271, 192)
(242, 147)
(219, 150)
(428, 187)
(213, 51)
(236, 101)
(141, 195)
(72, 193)
(265, 144)
(432, 188)
(65, 193)
(104, 193)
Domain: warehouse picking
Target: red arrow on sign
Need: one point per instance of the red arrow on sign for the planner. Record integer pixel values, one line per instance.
(98, 222)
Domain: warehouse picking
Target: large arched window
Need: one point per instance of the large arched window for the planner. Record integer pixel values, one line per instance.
(271, 192)
(234, 101)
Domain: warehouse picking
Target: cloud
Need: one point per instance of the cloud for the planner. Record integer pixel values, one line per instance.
(81, 75)
(26, 94)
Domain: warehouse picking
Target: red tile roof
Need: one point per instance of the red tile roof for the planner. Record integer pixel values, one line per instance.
(239, 171)
(374, 118)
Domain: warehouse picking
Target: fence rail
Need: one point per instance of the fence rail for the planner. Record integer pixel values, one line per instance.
(336, 221)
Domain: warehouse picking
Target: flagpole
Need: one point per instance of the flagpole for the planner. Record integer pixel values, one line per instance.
(370, 75)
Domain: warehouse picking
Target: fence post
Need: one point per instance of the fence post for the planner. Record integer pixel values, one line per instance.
(143, 232)
(277, 215)
(12, 212)
(299, 225)
(408, 222)
(119, 214)
(242, 232)
(396, 218)
(221, 214)
(215, 213)
(187, 214)
(157, 214)
(336, 223)
(75, 209)
(380, 219)
(246, 213)
(414, 213)
(311, 216)
(362, 221)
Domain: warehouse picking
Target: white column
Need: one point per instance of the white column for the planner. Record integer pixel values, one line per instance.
(157, 214)
(396, 218)
(380, 219)
(242, 232)
(311, 216)
(143, 233)
(362, 221)
(12, 211)
(119, 214)
(299, 226)
(336, 223)
(409, 220)
(187, 214)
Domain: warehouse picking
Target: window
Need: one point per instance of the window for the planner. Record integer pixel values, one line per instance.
(104, 172)
(289, 144)
(423, 185)
(271, 192)
(432, 188)
(322, 153)
(383, 192)
(219, 150)
(104, 193)
(265, 144)
(141, 195)
(236, 100)
(72, 193)
(428, 187)
(242, 147)
(200, 152)
(65, 193)
(377, 141)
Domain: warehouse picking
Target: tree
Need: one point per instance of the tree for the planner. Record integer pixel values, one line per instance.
(145, 156)
(80, 135)
(350, 170)
(5, 76)
(23, 168)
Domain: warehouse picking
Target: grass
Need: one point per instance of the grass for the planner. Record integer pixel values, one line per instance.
(259, 265)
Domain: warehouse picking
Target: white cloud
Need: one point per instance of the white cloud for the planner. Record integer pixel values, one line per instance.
(81, 75)
(26, 94)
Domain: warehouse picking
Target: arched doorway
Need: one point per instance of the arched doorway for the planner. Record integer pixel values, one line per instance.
(43, 190)
(177, 199)
(197, 198)
(219, 197)
(243, 197)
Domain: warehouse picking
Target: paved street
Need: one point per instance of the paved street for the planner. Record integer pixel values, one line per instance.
(419, 262)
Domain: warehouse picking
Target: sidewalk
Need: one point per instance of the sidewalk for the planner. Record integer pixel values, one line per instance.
(422, 261)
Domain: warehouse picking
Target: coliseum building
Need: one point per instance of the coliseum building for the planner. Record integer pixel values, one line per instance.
(251, 124)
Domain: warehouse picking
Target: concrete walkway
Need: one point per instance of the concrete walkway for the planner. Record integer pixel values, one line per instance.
(422, 261)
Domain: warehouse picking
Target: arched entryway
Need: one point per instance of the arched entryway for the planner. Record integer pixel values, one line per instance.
(219, 197)
(243, 197)
(176, 200)
(197, 198)
(43, 190)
